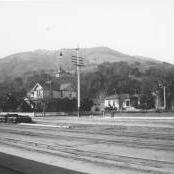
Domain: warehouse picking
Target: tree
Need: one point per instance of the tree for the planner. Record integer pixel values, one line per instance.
(10, 103)
(86, 104)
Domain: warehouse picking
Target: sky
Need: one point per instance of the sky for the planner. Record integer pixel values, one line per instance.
(134, 27)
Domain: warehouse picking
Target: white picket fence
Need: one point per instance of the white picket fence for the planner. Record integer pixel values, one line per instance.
(41, 114)
(36, 114)
(30, 114)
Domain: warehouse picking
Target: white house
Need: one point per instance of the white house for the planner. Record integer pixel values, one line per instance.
(118, 102)
(37, 92)
(112, 101)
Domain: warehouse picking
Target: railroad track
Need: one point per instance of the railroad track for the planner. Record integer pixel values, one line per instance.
(131, 139)
(49, 141)
(104, 159)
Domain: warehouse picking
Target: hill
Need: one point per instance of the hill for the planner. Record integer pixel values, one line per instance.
(24, 63)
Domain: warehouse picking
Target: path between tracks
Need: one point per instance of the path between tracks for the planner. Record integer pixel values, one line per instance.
(124, 147)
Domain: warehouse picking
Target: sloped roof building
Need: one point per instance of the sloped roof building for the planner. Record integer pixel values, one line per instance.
(51, 90)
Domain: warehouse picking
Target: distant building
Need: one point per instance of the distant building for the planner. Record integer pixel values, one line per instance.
(49, 90)
(158, 101)
(67, 90)
(119, 102)
(112, 101)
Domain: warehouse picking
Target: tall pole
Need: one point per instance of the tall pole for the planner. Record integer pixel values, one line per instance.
(164, 88)
(157, 101)
(78, 62)
(78, 81)
(59, 66)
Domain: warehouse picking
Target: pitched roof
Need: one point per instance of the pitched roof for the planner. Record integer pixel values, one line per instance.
(112, 97)
(35, 86)
(47, 85)
(56, 86)
(118, 96)
(124, 96)
(66, 86)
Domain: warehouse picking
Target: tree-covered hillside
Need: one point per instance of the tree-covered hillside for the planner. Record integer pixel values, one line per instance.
(108, 79)
(120, 77)
(23, 64)
(106, 72)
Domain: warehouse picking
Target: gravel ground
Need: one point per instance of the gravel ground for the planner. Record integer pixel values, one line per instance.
(95, 145)
(5, 170)
(20, 165)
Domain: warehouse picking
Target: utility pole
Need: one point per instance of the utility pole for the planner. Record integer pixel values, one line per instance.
(78, 62)
(78, 82)
(164, 91)
(58, 74)
(163, 85)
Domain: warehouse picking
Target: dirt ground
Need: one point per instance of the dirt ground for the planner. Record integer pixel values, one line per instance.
(119, 145)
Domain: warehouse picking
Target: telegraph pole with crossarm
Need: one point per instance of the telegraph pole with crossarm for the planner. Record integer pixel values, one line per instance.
(78, 62)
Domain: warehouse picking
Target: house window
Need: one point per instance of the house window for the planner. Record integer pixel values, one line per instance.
(61, 93)
(109, 103)
(127, 103)
(37, 93)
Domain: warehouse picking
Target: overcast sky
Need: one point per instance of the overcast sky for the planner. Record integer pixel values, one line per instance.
(135, 27)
